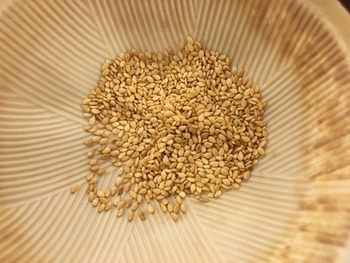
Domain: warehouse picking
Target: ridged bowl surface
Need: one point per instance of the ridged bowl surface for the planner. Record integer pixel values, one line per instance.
(296, 206)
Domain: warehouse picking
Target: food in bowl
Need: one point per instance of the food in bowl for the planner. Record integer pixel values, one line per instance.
(175, 124)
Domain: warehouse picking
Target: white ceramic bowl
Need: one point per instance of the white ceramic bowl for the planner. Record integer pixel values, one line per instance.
(295, 208)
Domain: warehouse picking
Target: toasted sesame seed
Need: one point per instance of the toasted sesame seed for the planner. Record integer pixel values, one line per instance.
(142, 215)
(131, 215)
(120, 212)
(101, 208)
(74, 188)
(183, 208)
(172, 125)
(150, 208)
(174, 216)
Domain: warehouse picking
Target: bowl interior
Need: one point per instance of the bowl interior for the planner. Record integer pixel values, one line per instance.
(51, 54)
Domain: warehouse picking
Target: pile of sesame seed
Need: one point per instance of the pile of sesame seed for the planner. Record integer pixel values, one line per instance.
(175, 124)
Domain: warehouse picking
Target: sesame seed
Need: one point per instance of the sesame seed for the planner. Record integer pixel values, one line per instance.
(172, 125)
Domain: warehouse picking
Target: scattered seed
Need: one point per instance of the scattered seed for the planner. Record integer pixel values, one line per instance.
(163, 208)
(101, 208)
(176, 208)
(173, 124)
(95, 202)
(74, 188)
(134, 205)
(183, 208)
(108, 206)
(182, 194)
(170, 207)
(131, 215)
(174, 216)
(91, 196)
(142, 215)
(150, 208)
(120, 212)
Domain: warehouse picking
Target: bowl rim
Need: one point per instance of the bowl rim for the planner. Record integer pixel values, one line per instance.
(336, 18)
